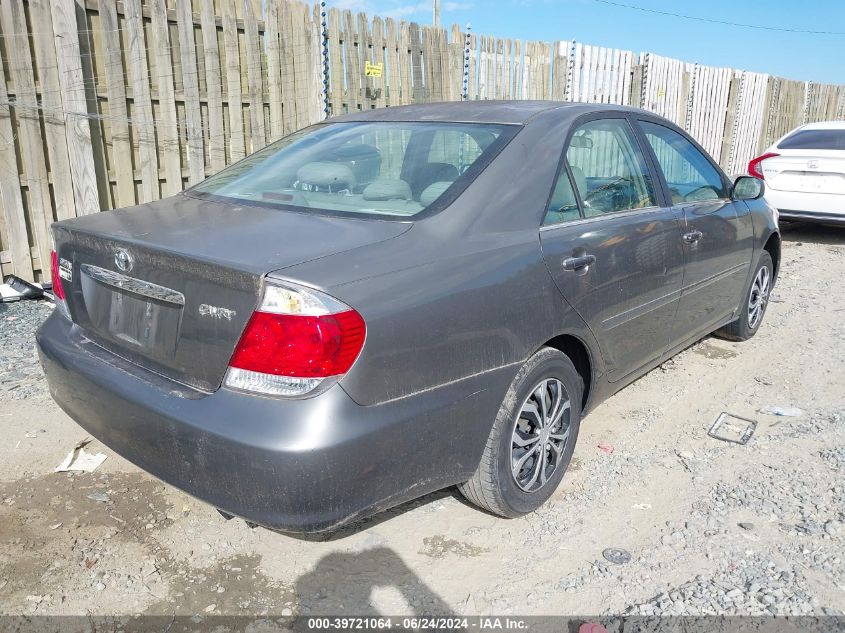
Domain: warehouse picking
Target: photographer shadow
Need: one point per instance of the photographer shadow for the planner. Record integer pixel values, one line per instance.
(342, 584)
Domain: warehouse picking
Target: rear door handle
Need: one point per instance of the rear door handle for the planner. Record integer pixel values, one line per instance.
(692, 236)
(578, 263)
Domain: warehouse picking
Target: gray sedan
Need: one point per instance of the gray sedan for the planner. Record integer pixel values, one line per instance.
(400, 300)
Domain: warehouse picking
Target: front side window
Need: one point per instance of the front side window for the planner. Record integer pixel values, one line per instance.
(381, 168)
(690, 176)
(608, 168)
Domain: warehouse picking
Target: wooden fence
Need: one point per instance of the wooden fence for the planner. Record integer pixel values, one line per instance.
(110, 103)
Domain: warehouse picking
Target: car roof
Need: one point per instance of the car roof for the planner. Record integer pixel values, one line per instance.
(824, 125)
(507, 112)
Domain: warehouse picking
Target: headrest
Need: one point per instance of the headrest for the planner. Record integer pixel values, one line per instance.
(433, 192)
(333, 175)
(387, 189)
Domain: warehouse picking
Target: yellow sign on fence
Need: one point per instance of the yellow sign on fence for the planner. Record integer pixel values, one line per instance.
(373, 70)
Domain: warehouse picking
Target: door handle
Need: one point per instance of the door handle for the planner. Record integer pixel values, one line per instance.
(578, 263)
(692, 236)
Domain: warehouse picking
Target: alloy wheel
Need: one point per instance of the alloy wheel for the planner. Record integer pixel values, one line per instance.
(758, 297)
(540, 435)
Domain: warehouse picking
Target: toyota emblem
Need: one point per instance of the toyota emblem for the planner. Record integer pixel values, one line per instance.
(123, 261)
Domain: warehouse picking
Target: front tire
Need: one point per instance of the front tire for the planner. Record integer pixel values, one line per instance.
(756, 299)
(533, 437)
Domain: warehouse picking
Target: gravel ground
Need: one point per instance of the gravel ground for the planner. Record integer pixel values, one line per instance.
(710, 527)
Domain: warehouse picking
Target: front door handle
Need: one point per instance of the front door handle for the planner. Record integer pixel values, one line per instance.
(692, 236)
(578, 263)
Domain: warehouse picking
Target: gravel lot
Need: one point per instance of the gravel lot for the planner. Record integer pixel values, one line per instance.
(711, 527)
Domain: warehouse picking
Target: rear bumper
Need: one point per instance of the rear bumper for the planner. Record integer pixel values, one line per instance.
(292, 465)
(810, 216)
(813, 207)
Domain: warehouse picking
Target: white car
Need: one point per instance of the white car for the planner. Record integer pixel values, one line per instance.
(805, 173)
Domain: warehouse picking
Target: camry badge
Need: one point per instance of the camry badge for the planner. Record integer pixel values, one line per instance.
(123, 260)
(813, 164)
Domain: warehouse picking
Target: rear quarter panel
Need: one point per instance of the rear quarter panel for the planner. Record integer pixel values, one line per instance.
(453, 318)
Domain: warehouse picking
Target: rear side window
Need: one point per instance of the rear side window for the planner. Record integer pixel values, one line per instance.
(608, 168)
(814, 139)
(690, 176)
(563, 205)
(371, 168)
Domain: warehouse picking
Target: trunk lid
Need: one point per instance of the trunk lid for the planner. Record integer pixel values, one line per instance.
(170, 285)
(815, 171)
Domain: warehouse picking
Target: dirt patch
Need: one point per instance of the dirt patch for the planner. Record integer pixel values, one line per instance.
(439, 547)
(709, 350)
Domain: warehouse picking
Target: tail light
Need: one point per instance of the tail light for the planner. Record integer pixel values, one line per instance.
(298, 340)
(58, 291)
(754, 166)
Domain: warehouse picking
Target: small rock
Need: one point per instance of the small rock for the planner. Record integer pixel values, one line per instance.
(746, 526)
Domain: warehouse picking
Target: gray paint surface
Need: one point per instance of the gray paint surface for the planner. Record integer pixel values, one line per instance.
(454, 303)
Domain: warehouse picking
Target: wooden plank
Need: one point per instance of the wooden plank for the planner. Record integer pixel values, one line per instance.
(273, 48)
(576, 72)
(190, 82)
(404, 33)
(52, 118)
(121, 142)
(35, 169)
(214, 89)
(507, 74)
(365, 54)
(732, 117)
(499, 70)
(142, 115)
(312, 33)
(456, 62)
(491, 67)
(378, 54)
(231, 48)
(416, 47)
(353, 63)
(286, 47)
(394, 70)
(443, 65)
(168, 132)
(305, 89)
(258, 138)
(10, 192)
(482, 66)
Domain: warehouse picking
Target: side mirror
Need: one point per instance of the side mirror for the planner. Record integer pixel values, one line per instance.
(748, 188)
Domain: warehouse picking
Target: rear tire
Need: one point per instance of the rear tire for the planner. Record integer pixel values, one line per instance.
(755, 301)
(533, 437)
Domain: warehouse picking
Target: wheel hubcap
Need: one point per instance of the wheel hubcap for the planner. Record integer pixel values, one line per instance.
(540, 435)
(759, 297)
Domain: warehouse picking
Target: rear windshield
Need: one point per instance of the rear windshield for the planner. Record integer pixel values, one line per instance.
(814, 139)
(378, 168)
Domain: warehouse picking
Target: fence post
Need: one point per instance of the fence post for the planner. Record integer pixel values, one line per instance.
(465, 88)
(324, 57)
(735, 93)
(805, 113)
(691, 97)
(10, 190)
